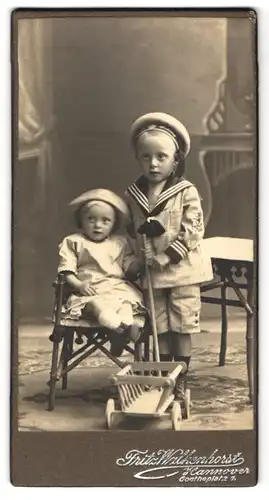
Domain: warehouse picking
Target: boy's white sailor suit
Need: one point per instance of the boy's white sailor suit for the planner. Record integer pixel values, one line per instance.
(175, 227)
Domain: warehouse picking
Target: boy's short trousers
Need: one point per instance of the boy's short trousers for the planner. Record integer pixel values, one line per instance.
(178, 309)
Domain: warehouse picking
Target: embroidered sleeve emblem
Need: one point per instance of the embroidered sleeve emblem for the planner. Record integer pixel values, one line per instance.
(198, 222)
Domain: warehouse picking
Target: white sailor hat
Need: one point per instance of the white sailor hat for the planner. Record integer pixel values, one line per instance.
(165, 123)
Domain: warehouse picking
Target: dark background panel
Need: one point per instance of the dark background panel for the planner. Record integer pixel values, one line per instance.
(104, 73)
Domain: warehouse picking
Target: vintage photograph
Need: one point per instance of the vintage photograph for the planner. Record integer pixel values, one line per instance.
(135, 221)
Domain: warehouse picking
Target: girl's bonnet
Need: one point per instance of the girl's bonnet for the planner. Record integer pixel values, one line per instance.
(106, 196)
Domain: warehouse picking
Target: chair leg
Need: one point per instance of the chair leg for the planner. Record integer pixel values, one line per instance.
(68, 350)
(224, 325)
(146, 349)
(138, 354)
(53, 376)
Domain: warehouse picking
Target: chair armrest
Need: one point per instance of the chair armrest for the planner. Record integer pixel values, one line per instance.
(60, 280)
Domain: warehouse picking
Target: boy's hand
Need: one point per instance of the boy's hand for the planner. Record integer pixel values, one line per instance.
(159, 262)
(149, 252)
(86, 289)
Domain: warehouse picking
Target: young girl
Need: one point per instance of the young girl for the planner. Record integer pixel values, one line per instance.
(95, 261)
(166, 208)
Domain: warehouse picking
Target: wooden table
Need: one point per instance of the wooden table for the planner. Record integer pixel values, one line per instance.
(233, 264)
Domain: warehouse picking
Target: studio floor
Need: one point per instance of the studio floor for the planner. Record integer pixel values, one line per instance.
(219, 394)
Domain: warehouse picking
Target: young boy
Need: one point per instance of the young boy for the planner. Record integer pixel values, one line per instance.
(167, 209)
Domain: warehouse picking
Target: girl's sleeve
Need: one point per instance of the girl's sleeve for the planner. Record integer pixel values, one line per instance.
(67, 256)
(191, 229)
(129, 256)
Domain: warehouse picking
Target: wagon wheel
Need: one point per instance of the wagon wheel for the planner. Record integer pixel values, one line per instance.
(110, 408)
(176, 416)
(187, 404)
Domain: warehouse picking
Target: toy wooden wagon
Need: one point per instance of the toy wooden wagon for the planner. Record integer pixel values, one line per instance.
(144, 393)
(143, 389)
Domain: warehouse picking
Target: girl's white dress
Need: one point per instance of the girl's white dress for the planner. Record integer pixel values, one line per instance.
(103, 264)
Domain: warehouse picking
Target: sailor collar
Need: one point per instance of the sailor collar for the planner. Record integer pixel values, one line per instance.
(139, 192)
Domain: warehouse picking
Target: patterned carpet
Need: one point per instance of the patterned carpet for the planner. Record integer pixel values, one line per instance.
(213, 394)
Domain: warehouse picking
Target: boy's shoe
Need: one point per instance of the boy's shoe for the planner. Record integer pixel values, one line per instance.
(179, 390)
(183, 396)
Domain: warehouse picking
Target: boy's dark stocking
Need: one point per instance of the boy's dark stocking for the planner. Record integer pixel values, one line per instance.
(181, 344)
(182, 353)
(164, 340)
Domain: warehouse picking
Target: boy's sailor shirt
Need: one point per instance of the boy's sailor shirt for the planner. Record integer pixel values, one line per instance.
(175, 227)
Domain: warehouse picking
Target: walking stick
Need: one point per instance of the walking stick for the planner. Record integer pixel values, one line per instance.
(152, 309)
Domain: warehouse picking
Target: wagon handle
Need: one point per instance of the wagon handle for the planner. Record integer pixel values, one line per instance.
(152, 307)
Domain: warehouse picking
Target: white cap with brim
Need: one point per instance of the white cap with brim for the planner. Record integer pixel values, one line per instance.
(160, 121)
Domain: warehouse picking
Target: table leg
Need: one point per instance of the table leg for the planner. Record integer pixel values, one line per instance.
(250, 340)
(224, 324)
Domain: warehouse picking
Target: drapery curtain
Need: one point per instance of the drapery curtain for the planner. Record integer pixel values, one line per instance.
(35, 93)
(35, 98)
(39, 170)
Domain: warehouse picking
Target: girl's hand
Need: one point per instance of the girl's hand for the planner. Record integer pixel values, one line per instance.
(134, 270)
(86, 289)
